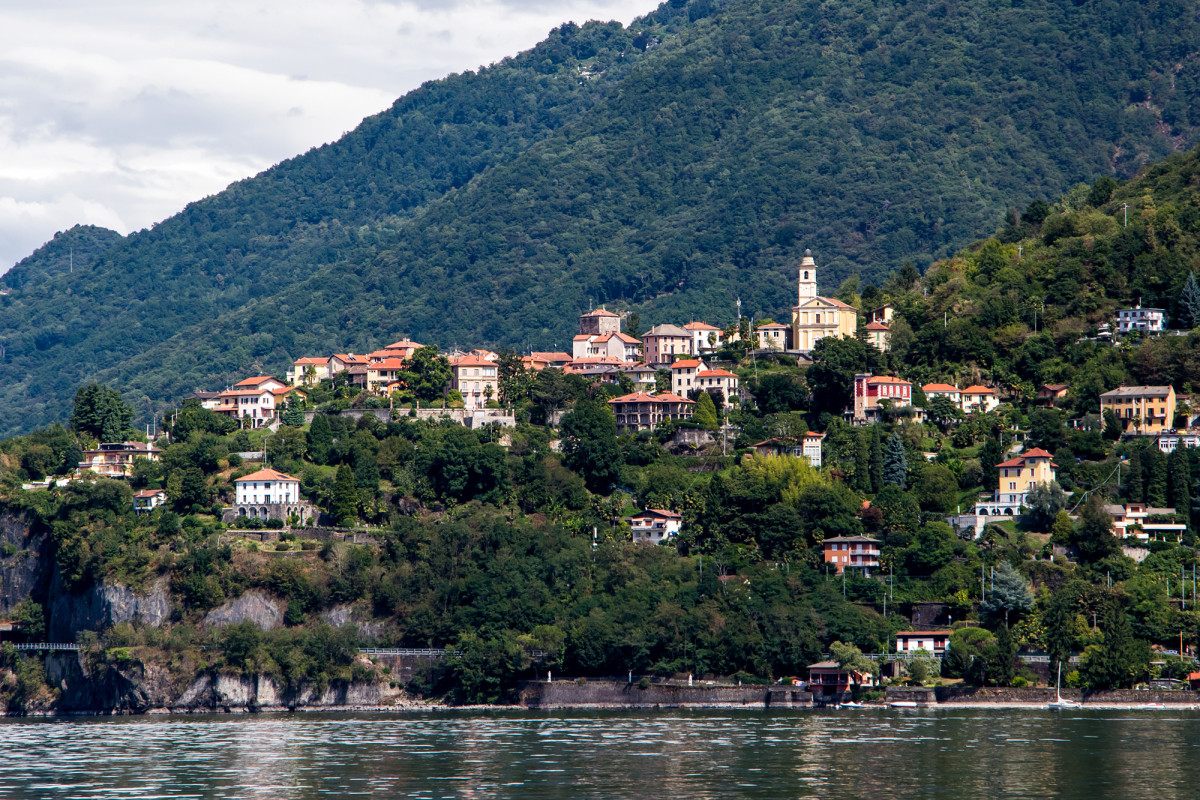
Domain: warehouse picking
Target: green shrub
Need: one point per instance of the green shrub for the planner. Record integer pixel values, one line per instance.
(308, 545)
(276, 525)
(1019, 682)
(281, 546)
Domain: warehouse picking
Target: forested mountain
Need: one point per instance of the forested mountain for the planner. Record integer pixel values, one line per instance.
(75, 248)
(669, 167)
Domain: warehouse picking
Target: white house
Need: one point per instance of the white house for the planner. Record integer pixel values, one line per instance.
(475, 378)
(702, 332)
(713, 379)
(268, 494)
(932, 642)
(654, 525)
(684, 375)
(1150, 320)
(979, 398)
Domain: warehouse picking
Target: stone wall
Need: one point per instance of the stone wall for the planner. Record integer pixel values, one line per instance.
(471, 418)
(1008, 694)
(619, 694)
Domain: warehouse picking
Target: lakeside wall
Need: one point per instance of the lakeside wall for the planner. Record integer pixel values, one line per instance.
(949, 695)
(619, 694)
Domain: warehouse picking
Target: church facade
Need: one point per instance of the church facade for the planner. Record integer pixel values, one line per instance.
(815, 317)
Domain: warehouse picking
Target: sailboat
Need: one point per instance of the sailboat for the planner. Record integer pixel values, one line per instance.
(1059, 703)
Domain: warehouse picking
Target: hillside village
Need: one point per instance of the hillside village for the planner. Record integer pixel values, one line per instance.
(908, 480)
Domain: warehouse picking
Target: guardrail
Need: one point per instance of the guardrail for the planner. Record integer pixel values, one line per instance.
(430, 652)
(47, 646)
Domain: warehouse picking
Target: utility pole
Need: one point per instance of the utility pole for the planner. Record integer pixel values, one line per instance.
(1126, 207)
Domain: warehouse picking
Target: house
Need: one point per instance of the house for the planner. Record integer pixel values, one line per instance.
(1050, 392)
(663, 343)
(340, 362)
(258, 407)
(261, 382)
(683, 375)
(599, 322)
(541, 360)
(828, 681)
(772, 336)
(1141, 409)
(268, 494)
(934, 642)
(1167, 442)
(872, 392)
(618, 346)
(402, 349)
(654, 525)
(115, 459)
(475, 379)
(935, 390)
(979, 398)
(1133, 519)
(640, 411)
(379, 374)
(884, 314)
(1015, 478)
(879, 336)
(815, 317)
(308, 371)
(852, 552)
(208, 400)
(808, 446)
(705, 338)
(644, 376)
(147, 500)
(718, 380)
(1148, 320)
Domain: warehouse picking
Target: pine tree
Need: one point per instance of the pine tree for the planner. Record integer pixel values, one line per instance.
(1135, 480)
(895, 462)
(876, 460)
(293, 413)
(1189, 302)
(1156, 483)
(1112, 663)
(1009, 593)
(1063, 529)
(705, 412)
(990, 455)
(344, 508)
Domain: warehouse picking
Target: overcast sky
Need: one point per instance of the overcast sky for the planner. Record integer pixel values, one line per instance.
(120, 113)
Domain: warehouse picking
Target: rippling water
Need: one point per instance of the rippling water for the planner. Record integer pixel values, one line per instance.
(711, 754)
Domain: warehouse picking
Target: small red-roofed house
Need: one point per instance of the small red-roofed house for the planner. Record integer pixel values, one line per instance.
(641, 411)
(269, 494)
(722, 380)
(872, 391)
(475, 379)
(979, 398)
(705, 338)
(683, 375)
(654, 526)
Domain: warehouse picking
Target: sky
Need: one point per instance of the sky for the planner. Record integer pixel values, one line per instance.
(120, 113)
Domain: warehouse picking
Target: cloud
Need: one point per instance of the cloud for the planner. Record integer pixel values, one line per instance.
(120, 113)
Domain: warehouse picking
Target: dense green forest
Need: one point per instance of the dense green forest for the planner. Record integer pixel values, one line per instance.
(668, 167)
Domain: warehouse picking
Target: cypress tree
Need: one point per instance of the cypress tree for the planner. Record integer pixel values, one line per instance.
(1156, 483)
(705, 412)
(895, 462)
(876, 460)
(320, 440)
(1135, 482)
(1179, 480)
(862, 462)
(1189, 302)
(990, 455)
(344, 507)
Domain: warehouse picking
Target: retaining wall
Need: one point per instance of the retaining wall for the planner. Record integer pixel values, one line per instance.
(619, 694)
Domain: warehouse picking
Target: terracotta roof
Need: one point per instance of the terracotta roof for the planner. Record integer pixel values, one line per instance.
(149, 493)
(886, 379)
(555, 356)
(286, 390)
(583, 337)
(1036, 452)
(389, 363)
(643, 397)
(700, 326)
(472, 361)
(715, 373)
(877, 326)
(772, 326)
(258, 381)
(978, 390)
(600, 312)
(1055, 387)
(939, 387)
(267, 475)
(923, 633)
(839, 303)
(404, 344)
(310, 360)
(687, 363)
(659, 512)
(350, 358)
(842, 539)
(625, 337)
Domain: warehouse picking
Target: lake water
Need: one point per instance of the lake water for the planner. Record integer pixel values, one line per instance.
(936, 753)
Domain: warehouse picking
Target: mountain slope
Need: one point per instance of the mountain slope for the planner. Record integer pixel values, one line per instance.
(671, 181)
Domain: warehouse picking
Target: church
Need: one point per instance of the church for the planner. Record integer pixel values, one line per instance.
(815, 317)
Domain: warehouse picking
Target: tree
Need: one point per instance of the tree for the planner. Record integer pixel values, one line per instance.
(875, 460)
(428, 374)
(293, 413)
(1156, 478)
(831, 377)
(1189, 302)
(1179, 481)
(777, 393)
(895, 462)
(1094, 536)
(1112, 663)
(849, 657)
(705, 413)
(512, 379)
(936, 489)
(1112, 425)
(320, 440)
(1063, 530)
(862, 462)
(990, 455)
(901, 516)
(1043, 502)
(344, 508)
(101, 413)
(943, 412)
(589, 444)
(1009, 593)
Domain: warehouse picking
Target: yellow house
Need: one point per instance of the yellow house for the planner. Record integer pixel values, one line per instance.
(1141, 409)
(815, 317)
(1014, 479)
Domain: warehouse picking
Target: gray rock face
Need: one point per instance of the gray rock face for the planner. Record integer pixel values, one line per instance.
(253, 606)
(26, 569)
(103, 606)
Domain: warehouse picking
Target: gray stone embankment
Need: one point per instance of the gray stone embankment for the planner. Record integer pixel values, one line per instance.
(619, 694)
(1001, 696)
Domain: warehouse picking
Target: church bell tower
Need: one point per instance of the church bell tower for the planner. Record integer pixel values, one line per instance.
(808, 278)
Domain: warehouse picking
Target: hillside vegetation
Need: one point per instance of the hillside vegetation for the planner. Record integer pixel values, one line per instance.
(669, 167)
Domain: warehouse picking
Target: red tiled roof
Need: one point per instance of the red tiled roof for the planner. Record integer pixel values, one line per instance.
(472, 361)
(877, 326)
(687, 363)
(267, 475)
(715, 373)
(939, 387)
(643, 397)
(404, 344)
(389, 363)
(286, 390)
(310, 360)
(978, 390)
(600, 312)
(1036, 452)
(700, 326)
(555, 356)
(583, 337)
(772, 326)
(258, 381)
(350, 358)
(886, 379)
(660, 513)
